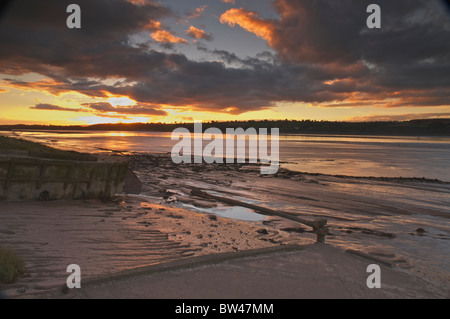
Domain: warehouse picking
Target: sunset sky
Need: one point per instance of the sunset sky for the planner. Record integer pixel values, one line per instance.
(185, 60)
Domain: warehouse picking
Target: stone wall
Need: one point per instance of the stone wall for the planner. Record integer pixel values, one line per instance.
(28, 178)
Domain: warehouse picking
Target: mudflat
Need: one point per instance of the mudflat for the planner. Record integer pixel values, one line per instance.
(401, 224)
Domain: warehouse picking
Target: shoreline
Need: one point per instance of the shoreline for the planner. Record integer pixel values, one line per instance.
(319, 133)
(426, 127)
(286, 171)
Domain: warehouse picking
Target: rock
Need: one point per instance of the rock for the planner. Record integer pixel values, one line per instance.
(172, 199)
(132, 184)
(420, 231)
(262, 231)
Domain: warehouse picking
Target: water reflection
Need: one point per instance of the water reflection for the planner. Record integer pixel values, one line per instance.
(329, 154)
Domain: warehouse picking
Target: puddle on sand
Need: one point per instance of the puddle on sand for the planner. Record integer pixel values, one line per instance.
(233, 212)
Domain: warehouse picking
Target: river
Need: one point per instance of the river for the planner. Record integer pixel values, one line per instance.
(378, 156)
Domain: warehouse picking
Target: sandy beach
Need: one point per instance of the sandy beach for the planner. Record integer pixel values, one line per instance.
(165, 223)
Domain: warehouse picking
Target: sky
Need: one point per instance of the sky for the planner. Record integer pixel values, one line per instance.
(189, 60)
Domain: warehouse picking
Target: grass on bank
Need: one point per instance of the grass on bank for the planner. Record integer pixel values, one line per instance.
(39, 150)
(11, 266)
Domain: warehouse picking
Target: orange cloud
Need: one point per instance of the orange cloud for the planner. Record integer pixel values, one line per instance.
(166, 37)
(138, 2)
(161, 35)
(233, 2)
(249, 21)
(197, 12)
(397, 117)
(197, 33)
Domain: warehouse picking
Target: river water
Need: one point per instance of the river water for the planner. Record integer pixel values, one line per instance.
(379, 156)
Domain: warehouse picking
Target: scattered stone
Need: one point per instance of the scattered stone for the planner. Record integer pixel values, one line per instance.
(420, 231)
(172, 199)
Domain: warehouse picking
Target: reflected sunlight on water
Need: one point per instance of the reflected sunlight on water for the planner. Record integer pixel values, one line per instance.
(378, 156)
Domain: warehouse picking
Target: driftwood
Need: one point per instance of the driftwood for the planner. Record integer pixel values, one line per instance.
(317, 225)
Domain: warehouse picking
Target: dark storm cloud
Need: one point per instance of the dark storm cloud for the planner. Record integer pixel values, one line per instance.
(51, 107)
(35, 37)
(324, 54)
(410, 51)
(104, 107)
(324, 30)
(135, 110)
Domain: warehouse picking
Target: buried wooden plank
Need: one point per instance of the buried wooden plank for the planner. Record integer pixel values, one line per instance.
(318, 225)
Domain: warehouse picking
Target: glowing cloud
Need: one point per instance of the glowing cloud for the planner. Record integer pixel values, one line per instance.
(166, 37)
(249, 21)
(197, 33)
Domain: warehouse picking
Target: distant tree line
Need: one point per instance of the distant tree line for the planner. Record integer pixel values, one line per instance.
(438, 127)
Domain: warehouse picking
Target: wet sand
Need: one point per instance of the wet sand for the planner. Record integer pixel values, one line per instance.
(378, 217)
(104, 238)
(404, 220)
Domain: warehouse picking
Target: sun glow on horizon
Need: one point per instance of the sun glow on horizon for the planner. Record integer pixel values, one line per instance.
(121, 101)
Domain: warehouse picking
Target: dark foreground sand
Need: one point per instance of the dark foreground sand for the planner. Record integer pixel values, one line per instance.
(312, 271)
(165, 224)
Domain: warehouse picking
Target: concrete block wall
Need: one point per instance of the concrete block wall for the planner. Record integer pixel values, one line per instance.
(27, 178)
